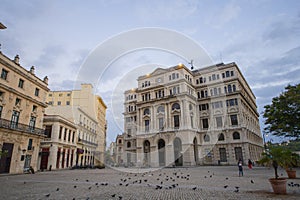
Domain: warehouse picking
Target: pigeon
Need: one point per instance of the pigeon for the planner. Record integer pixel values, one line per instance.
(113, 195)
(75, 186)
(90, 187)
(87, 180)
(57, 189)
(226, 178)
(252, 181)
(47, 195)
(194, 188)
(225, 186)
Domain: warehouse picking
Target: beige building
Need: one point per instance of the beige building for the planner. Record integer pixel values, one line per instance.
(88, 112)
(180, 117)
(119, 150)
(22, 107)
(59, 147)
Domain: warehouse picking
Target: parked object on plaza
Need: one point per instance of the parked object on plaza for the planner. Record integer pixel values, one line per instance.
(240, 165)
(250, 164)
(275, 156)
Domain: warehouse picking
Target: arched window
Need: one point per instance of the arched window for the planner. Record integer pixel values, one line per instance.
(233, 88)
(221, 137)
(229, 89)
(120, 141)
(236, 135)
(191, 107)
(176, 106)
(128, 144)
(147, 111)
(206, 138)
(161, 109)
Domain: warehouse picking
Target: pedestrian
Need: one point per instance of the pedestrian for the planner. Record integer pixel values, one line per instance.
(250, 164)
(240, 165)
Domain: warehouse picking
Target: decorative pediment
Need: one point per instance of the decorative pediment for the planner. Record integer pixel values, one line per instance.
(158, 71)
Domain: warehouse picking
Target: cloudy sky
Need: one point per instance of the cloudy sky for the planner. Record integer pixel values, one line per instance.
(60, 37)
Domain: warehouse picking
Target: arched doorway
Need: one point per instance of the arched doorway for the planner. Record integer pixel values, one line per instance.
(196, 157)
(161, 152)
(146, 153)
(177, 152)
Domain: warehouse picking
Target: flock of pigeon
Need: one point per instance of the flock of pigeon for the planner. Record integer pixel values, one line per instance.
(156, 180)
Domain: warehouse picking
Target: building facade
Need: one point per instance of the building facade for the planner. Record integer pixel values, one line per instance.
(88, 111)
(22, 107)
(181, 117)
(59, 145)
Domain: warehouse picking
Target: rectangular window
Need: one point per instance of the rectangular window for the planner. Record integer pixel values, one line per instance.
(238, 153)
(223, 156)
(29, 144)
(223, 75)
(176, 121)
(14, 119)
(73, 136)
(219, 122)
(68, 103)
(234, 120)
(213, 77)
(69, 136)
(50, 103)
(1, 108)
(147, 125)
(4, 74)
(60, 132)
(65, 134)
(37, 92)
(34, 108)
(59, 103)
(161, 123)
(227, 74)
(69, 94)
(21, 83)
(231, 73)
(32, 123)
(205, 123)
(18, 102)
(60, 94)
(50, 95)
(48, 131)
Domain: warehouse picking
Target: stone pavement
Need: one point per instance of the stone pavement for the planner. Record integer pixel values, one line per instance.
(205, 182)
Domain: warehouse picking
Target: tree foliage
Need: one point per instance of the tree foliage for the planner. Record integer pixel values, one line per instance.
(283, 114)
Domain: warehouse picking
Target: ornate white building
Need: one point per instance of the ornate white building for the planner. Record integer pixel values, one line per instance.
(181, 117)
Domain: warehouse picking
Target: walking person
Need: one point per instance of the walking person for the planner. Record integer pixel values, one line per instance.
(240, 165)
(250, 164)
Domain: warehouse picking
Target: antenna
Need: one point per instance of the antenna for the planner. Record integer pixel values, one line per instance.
(191, 63)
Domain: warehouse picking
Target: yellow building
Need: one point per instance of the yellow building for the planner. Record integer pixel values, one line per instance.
(22, 106)
(92, 118)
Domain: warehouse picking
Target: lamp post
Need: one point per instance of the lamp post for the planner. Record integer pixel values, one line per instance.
(264, 140)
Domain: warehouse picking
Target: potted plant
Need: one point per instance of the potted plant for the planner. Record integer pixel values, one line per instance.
(289, 161)
(274, 156)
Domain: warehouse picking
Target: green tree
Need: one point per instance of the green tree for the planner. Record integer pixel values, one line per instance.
(283, 114)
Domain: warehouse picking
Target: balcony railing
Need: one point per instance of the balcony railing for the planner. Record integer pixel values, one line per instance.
(21, 127)
(87, 142)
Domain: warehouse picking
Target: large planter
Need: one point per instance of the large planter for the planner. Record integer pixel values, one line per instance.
(278, 185)
(291, 173)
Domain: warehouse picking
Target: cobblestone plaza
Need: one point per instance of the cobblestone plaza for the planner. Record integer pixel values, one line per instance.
(205, 182)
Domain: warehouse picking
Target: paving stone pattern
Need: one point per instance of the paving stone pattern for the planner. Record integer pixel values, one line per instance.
(205, 182)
